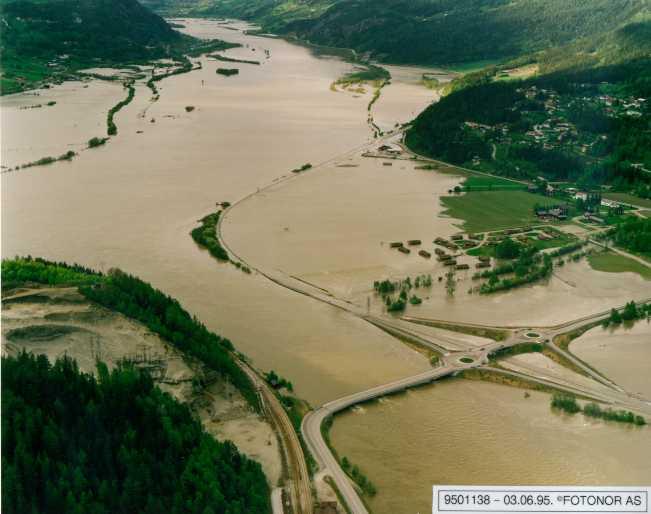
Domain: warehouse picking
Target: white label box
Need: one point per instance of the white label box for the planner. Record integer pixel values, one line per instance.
(539, 499)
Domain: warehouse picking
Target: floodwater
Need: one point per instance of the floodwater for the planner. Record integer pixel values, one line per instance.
(132, 203)
(333, 227)
(623, 354)
(463, 432)
(30, 133)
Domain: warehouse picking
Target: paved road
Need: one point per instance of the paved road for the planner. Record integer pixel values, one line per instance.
(312, 422)
(452, 352)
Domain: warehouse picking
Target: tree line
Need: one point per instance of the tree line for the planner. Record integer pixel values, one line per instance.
(138, 300)
(567, 403)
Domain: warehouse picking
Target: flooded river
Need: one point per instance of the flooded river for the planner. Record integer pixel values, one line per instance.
(132, 203)
(461, 432)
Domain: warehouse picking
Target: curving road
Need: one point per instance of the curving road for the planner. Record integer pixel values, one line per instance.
(452, 351)
(312, 422)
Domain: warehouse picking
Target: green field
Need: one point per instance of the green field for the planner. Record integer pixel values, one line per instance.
(493, 210)
(488, 182)
(615, 263)
(626, 198)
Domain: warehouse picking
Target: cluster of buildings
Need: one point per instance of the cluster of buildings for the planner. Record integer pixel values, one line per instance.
(553, 132)
(622, 106)
(556, 212)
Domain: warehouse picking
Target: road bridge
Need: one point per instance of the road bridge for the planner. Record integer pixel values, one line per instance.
(451, 363)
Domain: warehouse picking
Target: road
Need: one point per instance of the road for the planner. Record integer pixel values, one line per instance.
(311, 427)
(451, 352)
(616, 250)
(312, 422)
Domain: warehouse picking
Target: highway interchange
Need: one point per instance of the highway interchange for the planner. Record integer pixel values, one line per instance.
(455, 357)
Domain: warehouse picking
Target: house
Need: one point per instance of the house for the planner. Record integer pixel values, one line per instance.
(591, 218)
(581, 196)
(559, 213)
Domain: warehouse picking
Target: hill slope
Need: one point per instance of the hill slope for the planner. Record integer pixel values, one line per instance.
(588, 123)
(76, 444)
(40, 38)
(427, 31)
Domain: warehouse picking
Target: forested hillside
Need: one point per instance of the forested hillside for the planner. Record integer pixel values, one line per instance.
(590, 125)
(138, 300)
(427, 31)
(44, 38)
(118, 444)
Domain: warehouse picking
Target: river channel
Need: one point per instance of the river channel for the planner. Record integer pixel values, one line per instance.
(132, 203)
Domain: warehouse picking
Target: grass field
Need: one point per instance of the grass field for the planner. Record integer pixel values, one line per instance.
(626, 198)
(486, 182)
(482, 211)
(614, 263)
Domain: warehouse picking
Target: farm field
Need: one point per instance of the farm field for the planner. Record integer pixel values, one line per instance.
(483, 211)
(614, 263)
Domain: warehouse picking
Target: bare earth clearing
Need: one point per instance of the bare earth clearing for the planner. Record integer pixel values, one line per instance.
(59, 321)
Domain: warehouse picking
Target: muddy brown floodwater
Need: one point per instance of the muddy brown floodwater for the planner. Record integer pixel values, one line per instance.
(623, 354)
(462, 432)
(132, 203)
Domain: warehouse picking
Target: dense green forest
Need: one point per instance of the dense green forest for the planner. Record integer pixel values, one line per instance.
(116, 444)
(426, 31)
(45, 40)
(140, 301)
(633, 235)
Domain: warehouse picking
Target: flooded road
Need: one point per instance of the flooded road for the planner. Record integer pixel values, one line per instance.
(68, 116)
(334, 226)
(622, 354)
(132, 203)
